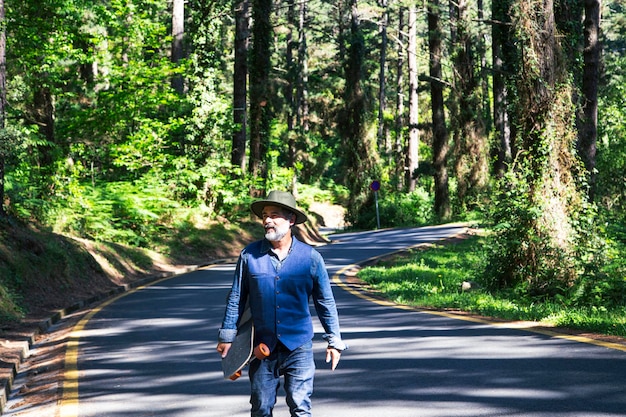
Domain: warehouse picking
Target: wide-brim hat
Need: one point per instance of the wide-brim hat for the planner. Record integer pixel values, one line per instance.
(281, 199)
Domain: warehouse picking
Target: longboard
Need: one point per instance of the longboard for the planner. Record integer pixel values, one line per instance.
(242, 351)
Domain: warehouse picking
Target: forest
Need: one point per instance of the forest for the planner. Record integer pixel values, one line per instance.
(127, 121)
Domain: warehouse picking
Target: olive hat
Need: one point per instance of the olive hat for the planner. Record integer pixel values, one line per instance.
(282, 199)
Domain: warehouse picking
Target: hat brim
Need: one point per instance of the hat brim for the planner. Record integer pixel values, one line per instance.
(257, 208)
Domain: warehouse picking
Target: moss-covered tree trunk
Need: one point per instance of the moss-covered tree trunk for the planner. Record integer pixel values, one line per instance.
(539, 204)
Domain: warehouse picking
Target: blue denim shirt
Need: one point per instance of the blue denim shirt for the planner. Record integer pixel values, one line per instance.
(290, 322)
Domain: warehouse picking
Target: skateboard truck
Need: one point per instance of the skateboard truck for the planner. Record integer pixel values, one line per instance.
(261, 351)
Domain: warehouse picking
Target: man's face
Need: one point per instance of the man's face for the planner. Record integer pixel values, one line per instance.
(276, 222)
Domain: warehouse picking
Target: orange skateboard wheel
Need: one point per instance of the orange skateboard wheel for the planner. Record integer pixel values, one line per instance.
(261, 351)
(235, 376)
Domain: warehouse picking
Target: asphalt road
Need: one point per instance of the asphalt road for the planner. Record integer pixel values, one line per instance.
(152, 353)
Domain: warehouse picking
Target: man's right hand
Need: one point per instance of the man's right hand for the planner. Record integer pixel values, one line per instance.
(223, 348)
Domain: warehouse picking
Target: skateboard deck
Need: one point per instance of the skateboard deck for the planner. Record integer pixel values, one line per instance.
(242, 351)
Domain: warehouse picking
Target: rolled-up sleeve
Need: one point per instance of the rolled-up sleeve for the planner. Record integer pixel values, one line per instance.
(234, 304)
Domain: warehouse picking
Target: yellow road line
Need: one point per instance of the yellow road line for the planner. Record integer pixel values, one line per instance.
(69, 398)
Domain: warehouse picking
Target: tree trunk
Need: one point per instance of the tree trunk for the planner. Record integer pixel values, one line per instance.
(588, 132)
(240, 83)
(499, 33)
(303, 70)
(3, 99)
(470, 145)
(440, 132)
(43, 115)
(178, 50)
(357, 149)
(260, 100)
(541, 239)
(481, 51)
(399, 122)
(412, 149)
(383, 137)
(290, 84)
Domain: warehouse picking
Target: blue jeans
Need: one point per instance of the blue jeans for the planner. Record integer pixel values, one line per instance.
(298, 369)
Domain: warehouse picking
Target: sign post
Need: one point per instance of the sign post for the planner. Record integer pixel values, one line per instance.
(375, 186)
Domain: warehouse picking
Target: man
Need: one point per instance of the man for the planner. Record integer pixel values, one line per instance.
(276, 277)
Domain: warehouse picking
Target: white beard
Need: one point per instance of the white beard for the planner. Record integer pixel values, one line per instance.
(277, 233)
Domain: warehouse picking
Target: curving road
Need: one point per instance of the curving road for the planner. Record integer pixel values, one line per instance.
(152, 353)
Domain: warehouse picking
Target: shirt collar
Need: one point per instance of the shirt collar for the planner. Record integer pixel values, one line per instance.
(266, 246)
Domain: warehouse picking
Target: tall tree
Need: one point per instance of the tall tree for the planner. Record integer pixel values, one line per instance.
(399, 119)
(539, 236)
(260, 92)
(440, 131)
(500, 37)
(290, 82)
(3, 99)
(240, 83)
(41, 20)
(470, 147)
(296, 84)
(412, 148)
(357, 147)
(178, 35)
(383, 136)
(481, 50)
(588, 131)
(302, 90)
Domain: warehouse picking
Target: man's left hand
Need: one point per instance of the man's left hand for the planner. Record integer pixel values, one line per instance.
(332, 357)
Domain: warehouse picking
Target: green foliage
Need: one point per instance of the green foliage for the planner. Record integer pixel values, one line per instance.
(602, 281)
(528, 248)
(126, 212)
(397, 210)
(328, 192)
(611, 156)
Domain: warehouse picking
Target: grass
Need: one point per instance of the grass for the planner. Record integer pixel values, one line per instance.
(433, 278)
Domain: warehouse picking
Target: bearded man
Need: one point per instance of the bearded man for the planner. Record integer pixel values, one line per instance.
(275, 278)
